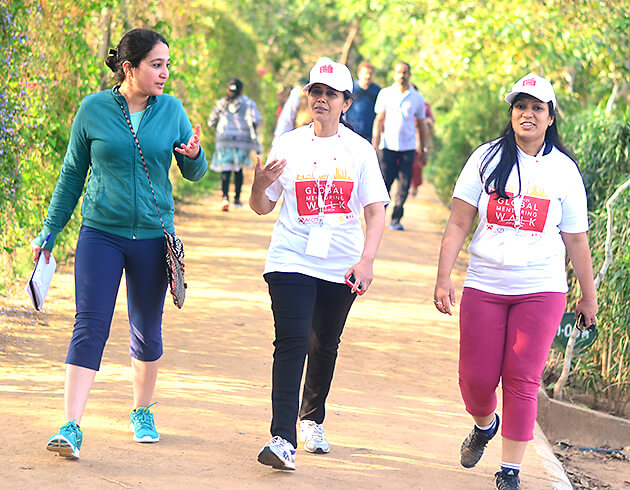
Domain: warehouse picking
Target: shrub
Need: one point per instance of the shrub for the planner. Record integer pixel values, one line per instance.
(602, 146)
(477, 115)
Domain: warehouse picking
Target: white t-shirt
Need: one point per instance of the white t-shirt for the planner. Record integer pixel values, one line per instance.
(510, 259)
(286, 119)
(401, 111)
(345, 169)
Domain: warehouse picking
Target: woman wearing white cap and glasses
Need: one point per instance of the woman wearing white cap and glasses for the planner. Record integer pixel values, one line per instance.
(528, 194)
(328, 174)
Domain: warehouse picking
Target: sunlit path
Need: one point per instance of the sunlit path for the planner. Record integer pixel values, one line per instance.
(395, 417)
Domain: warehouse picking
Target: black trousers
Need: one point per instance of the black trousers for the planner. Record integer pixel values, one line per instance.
(238, 183)
(309, 316)
(397, 165)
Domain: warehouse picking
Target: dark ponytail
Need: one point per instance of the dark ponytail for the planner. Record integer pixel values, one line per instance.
(342, 118)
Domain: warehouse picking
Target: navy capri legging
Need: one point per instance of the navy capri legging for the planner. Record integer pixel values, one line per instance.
(99, 262)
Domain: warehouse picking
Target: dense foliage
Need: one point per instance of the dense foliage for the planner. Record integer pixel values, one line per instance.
(464, 56)
(602, 143)
(53, 56)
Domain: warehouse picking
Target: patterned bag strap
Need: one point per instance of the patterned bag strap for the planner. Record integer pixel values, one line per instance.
(133, 133)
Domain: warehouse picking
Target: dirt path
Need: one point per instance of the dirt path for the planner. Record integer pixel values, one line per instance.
(395, 417)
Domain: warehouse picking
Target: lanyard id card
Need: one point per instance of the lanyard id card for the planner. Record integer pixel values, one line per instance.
(319, 237)
(318, 243)
(514, 246)
(514, 249)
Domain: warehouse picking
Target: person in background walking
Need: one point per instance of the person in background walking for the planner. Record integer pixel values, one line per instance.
(328, 175)
(364, 92)
(421, 159)
(399, 113)
(528, 195)
(236, 119)
(121, 229)
(294, 113)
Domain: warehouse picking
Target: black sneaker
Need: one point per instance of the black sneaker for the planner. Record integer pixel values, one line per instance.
(474, 445)
(507, 480)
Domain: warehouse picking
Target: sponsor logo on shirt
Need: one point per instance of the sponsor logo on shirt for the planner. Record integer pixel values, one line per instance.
(336, 201)
(533, 212)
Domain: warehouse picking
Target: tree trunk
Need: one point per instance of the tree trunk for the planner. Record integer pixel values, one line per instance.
(103, 48)
(352, 34)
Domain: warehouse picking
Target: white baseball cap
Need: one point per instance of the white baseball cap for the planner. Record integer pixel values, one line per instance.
(331, 73)
(535, 86)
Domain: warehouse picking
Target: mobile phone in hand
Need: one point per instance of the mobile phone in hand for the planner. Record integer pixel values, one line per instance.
(582, 324)
(350, 281)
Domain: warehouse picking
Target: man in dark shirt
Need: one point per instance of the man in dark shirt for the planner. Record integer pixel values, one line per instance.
(361, 112)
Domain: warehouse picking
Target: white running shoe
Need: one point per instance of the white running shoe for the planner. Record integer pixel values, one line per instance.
(312, 435)
(278, 453)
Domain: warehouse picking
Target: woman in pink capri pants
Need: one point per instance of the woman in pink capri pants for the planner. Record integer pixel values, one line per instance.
(528, 194)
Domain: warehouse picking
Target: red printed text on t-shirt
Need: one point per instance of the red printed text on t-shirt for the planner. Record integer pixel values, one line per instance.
(336, 200)
(533, 212)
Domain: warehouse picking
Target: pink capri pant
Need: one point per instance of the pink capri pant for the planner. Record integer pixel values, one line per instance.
(507, 338)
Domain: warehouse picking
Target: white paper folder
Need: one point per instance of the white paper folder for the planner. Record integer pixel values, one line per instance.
(38, 284)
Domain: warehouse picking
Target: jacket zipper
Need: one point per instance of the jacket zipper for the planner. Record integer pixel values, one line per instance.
(133, 178)
(133, 170)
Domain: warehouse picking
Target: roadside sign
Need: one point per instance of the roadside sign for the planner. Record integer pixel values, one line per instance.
(582, 343)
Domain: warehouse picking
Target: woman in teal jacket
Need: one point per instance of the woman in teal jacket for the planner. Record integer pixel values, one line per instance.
(121, 229)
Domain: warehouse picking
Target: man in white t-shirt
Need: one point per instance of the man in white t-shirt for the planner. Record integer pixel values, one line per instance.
(400, 113)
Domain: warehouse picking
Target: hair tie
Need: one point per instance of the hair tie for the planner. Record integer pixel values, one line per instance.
(113, 52)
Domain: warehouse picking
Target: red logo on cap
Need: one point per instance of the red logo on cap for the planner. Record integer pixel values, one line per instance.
(326, 69)
(531, 82)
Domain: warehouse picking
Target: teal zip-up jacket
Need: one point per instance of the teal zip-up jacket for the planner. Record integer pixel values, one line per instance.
(118, 198)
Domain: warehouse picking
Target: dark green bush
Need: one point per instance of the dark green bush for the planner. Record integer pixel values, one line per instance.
(477, 115)
(601, 143)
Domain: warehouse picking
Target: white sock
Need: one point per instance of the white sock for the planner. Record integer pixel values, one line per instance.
(510, 466)
(490, 427)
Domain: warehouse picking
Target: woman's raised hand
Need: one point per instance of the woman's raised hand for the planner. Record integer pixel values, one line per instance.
(191, 150)
(266, 175)
(263, 178)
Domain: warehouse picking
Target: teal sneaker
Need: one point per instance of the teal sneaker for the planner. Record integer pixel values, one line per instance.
(143, 426)
(67, 442)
